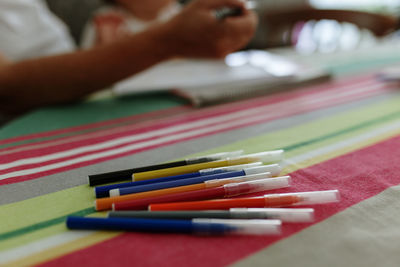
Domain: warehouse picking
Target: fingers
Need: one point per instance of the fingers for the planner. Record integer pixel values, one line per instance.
(246, 23)
(237, 31)
(215, 4)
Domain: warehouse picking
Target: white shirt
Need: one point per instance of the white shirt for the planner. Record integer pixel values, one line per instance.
(28, 30)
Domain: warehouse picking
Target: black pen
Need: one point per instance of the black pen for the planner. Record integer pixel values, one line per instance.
(293, 215)
(122, 175)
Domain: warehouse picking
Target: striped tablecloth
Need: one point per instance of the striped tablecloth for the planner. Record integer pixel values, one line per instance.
(343, 134)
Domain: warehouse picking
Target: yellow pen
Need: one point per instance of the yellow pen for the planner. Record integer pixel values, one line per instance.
(265, 157)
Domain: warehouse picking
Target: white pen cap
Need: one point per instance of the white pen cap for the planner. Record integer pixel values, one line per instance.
(233, 168)
(256, 186)
(309, 198)
(274, 169)
(218, 156)
(285, 215)
(240, 179)
(267, 156)
(247, 227)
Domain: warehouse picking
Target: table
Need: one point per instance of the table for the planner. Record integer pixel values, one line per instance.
(342, 134)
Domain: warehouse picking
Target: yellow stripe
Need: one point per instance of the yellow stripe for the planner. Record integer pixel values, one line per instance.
(64, 249)
(101, 236)
(279, 139)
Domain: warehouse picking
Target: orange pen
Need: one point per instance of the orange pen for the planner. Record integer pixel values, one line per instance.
(271, 200)
(106, 203)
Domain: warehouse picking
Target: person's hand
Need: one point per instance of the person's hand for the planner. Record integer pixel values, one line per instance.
(196, 32)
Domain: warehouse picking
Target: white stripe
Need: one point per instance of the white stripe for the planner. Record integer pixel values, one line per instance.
(135, 146)
(187, 126)
(340, 145)
(127, 128)
(222, 126)
(41, 245)
(63, 238)
(141, 145)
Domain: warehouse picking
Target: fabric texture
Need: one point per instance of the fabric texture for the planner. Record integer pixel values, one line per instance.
(343, 134)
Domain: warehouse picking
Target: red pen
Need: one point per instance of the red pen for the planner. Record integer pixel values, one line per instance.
(272, 200)
(228, 190)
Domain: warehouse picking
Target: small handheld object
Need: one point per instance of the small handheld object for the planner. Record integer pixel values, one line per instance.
(106, 203)
(265, 157)
(285, 215)
(116, 176)
(272, 200)
(228, 190)
(195, 226)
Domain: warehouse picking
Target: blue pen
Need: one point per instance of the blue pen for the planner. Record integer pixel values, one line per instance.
(194, 226)
(189, 181)
(103, 191)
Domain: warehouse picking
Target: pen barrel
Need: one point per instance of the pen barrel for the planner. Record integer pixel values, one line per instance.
(236, 189)
(265, 157)
(257, 202)
(103, 191)
(122, 175)
(180, 170)
(180, 182)
(280, 201)
(184, 196)
(256, 186)
(106, 203)
(130, 224)
(187, 215)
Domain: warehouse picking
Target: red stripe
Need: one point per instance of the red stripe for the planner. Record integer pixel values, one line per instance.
(154, 125)
(141, 116)
(300, 109)
(333, 85)
(358, 175)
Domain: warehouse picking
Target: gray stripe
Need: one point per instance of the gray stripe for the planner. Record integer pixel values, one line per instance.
(53, 183)
(366, 234)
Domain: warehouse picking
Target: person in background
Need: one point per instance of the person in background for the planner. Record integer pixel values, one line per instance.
(122, 17)
(40, 65)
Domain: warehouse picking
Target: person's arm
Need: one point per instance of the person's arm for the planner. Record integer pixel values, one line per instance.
(3, 60)
(68, 77)
(195, 32)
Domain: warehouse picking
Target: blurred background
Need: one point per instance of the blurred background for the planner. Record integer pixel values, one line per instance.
(326, 26)
(304, 24)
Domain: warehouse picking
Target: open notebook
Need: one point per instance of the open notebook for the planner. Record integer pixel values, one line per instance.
(239, 75)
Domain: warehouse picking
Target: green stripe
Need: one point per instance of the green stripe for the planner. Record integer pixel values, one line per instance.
(289, 148)
(45, 224)
(361, 66)
(391, 116)
(59, 117)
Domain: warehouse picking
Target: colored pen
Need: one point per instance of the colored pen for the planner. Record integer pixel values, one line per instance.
(121, 175)
(265, 157)
(103, 191)
(188, 181)
(195, 226)
(106, 203)
(225, 191)
(272, 200)
(285, 215)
